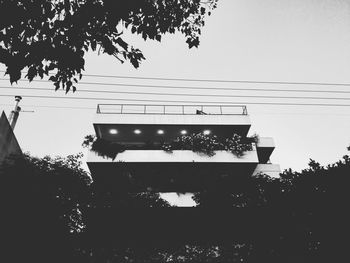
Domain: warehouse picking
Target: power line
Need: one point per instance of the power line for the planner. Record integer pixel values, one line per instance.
(54, 107)
(181, 101)
(187, 94)
(259, 113)
(217, 80)
(202, 88)
(221, 81)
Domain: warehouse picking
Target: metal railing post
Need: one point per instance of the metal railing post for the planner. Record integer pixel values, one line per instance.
(183, 109)
(144, 109)
(121, 109)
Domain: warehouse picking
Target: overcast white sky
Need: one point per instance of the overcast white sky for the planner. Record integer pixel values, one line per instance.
(270, 40)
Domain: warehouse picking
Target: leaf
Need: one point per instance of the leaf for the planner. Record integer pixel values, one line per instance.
(122, 43)
(15, 74)
(53, 78)
(93, 45)
(57, 85)
(31, 73)
(68, 86)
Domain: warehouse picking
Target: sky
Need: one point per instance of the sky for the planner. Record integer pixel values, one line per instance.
(270, 40)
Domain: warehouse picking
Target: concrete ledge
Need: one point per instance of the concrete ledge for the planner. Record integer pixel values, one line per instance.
(265, 147)
(272, 170)
(266, 142)
(177, 156)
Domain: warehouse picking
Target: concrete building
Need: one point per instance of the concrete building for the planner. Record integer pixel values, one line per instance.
(145, 166)
(137, 126)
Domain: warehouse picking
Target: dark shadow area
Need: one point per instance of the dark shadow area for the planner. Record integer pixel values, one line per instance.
(52, 212)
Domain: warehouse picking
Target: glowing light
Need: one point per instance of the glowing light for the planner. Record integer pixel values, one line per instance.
(206, 132)
(183, 132)
(137, 131)
(160, 132)
(113, 131)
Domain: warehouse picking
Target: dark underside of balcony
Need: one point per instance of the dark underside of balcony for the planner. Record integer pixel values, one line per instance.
(168, 177)
(149, 132)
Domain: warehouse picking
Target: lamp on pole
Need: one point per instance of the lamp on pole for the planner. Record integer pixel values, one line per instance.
(15, 113)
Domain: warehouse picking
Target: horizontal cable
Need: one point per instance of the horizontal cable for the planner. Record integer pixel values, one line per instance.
(255, 113)
(182, 101)
(54, 107)
(214, 80)
(187, 94)
(200, 88)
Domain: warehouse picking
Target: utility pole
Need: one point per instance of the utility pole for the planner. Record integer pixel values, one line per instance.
(15, 113)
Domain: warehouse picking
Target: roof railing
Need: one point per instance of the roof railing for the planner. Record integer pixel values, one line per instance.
(172, 109)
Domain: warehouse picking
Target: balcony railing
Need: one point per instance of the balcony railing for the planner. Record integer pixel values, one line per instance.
(172, 109)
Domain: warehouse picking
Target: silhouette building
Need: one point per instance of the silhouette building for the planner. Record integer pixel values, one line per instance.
(142, 127)
(141, 131)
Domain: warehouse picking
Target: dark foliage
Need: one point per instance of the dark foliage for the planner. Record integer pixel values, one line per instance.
(53, 36)
(208, 144)
(103, 147)
(43, 201)
(312, 204)
(200, 143)
(300, 217)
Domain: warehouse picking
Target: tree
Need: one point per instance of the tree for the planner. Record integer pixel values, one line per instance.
(41, 200)
(312, 201)
(53, 36)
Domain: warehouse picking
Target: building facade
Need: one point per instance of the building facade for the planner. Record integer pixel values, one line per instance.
(143, 128)
(143, 164)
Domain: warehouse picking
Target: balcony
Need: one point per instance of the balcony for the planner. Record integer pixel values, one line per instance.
(144, 165)
(181, 170)
(176, 156)
(119, 122)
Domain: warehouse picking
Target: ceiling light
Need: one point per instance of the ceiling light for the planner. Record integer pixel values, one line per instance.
(183, 132)
(137, 131)
(113, 131)
(160, 132)
(206, 132)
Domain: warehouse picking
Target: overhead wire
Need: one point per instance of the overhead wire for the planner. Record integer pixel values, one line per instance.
(201, 88)
(221, 80)
(182, 101)
(215, 80)
(187, 94)
(54, 107)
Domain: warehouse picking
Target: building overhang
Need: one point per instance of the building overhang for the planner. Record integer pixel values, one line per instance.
(265, 147)
(121, 126)
(181, 170)
(272, 170)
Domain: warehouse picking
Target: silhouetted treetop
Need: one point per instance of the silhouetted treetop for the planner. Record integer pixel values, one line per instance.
(53, 36)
